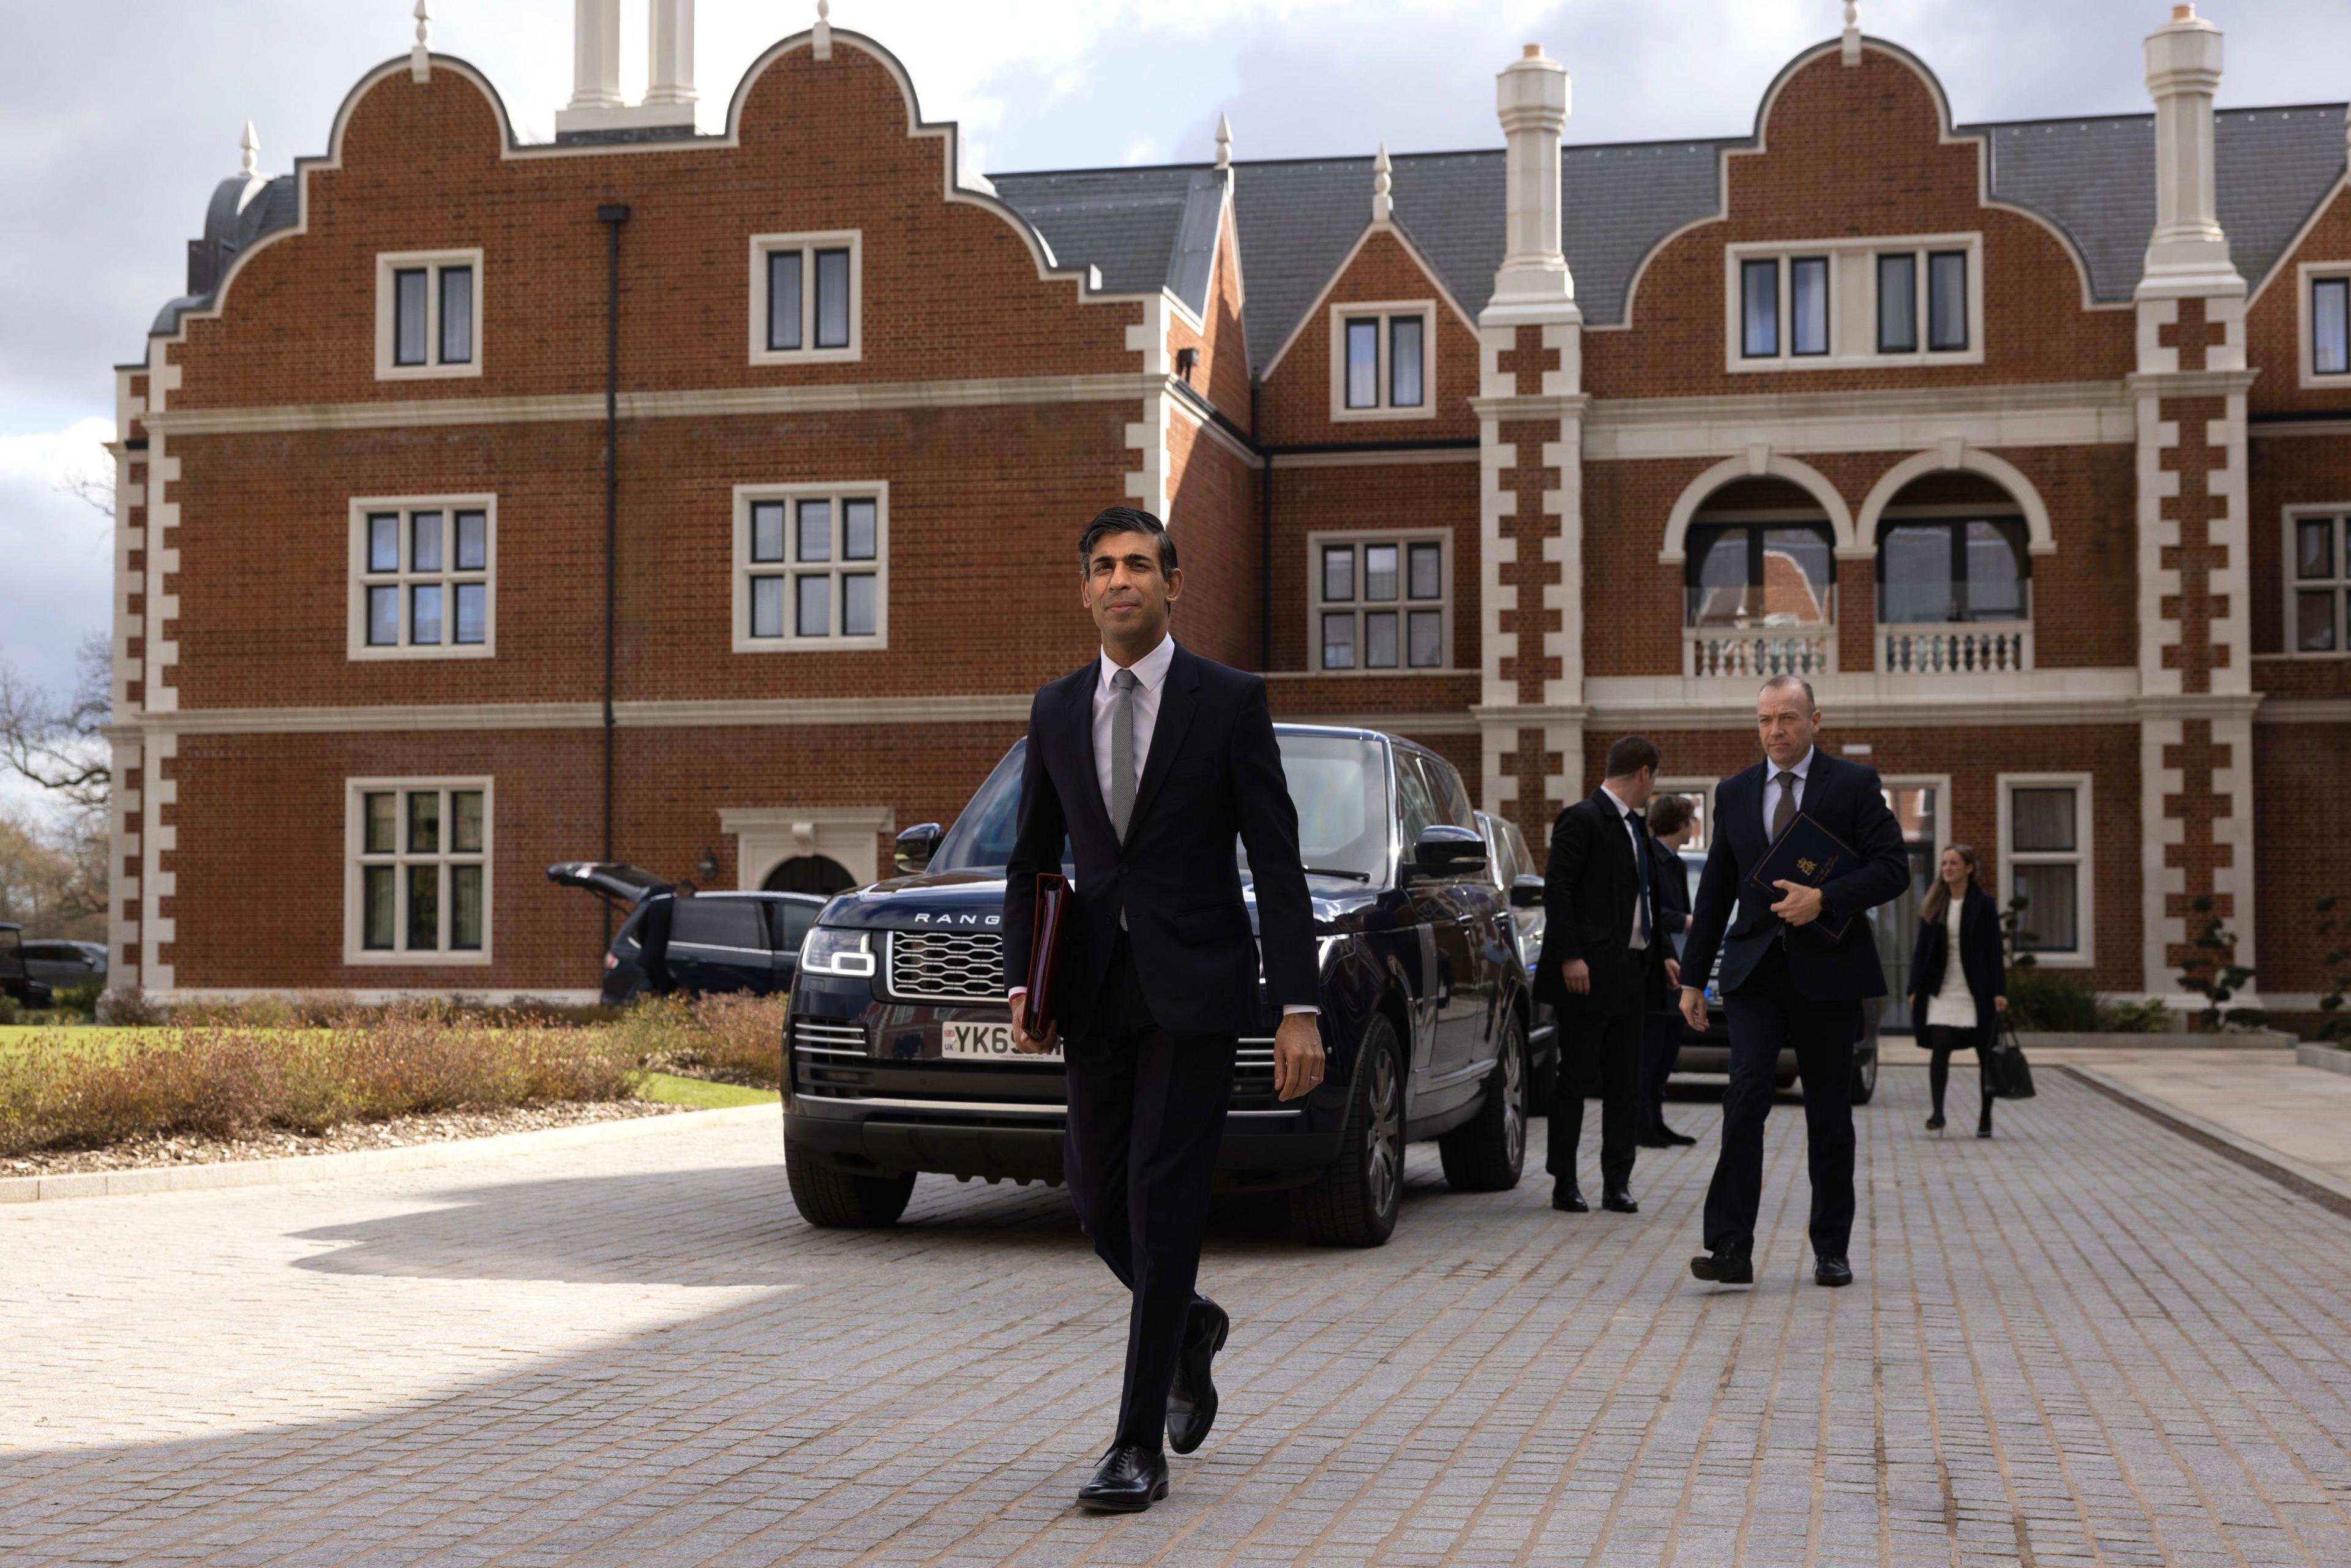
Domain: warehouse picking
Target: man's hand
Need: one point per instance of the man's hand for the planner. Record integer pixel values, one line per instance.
(1297, 1055)
(1576, 975)
(1673, 971)
(2000, 1004)
(1022, 1041)
(1800, 906)
(1694, 1007)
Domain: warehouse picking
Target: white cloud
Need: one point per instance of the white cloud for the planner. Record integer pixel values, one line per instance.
(56, 589)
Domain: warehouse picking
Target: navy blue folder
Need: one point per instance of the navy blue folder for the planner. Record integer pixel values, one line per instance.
(1808, 855)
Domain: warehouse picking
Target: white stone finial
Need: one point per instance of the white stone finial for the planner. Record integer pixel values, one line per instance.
(1851, 50)
(820, 38)
(420, 57)
(1224, 142)
(2188, 253)
(1532, 285)
(669, 53)
(1382, 204)
(249, 145)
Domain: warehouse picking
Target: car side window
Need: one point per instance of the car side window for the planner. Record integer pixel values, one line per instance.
(791, 922)
(1452, 800)
(1415, 804)
(717, 923)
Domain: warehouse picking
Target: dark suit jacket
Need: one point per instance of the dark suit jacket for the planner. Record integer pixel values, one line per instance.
(1213, 773)
(1980, 960)
(1736, 919)
(1589, 888)
(1671, 885)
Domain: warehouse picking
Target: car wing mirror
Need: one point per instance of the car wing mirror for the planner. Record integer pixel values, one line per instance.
(1444, 853)
(1526, 892)
(916, 847)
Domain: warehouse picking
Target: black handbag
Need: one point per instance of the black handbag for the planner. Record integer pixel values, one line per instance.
(2012, 1075)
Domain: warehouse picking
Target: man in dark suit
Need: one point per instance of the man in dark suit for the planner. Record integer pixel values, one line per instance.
(1153, 762)
(1602, 966)
(1786, 983)
(1670, 826)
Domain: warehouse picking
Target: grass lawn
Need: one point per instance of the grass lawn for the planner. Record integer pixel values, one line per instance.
(669, 1089)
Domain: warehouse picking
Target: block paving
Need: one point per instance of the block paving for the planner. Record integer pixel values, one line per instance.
(2087, 1340)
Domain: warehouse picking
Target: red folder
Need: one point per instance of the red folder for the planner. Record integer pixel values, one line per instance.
(1044, 949)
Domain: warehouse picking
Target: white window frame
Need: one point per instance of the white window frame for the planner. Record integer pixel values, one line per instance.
(1853, 302)
(851, 240)
(1402, 538)
(355, 857)
(789, 568)
(1386, 310)
(388, 262)
(2305, 276)
(361, 579)
(2340, 582)
(2083, 856)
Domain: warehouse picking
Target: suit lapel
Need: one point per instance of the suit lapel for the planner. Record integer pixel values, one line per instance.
(1082, 721)
(1176, 703)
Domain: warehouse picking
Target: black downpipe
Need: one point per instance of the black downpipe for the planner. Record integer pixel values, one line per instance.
(1264, 545)
(611, 215)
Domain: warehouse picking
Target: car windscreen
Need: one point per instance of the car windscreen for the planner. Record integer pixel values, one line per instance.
(1338, 783)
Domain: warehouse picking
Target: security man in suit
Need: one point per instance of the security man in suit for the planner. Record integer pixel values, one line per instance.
(1605, 963)
(1671, 824)
(1153, 762)
(1786, 982)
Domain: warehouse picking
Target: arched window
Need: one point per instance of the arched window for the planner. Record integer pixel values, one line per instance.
(1952, 548)
(1760, 554)
(808, 874)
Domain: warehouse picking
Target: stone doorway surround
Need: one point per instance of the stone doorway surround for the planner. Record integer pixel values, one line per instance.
(765, 837)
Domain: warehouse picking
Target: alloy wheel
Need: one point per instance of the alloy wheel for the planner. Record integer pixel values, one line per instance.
(1384, 1153)
(1514, 1100)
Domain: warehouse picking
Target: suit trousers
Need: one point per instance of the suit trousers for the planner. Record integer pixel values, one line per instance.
(1607, 1047)
(1147, 1115)
(1661, 1044)
(1766, 1016)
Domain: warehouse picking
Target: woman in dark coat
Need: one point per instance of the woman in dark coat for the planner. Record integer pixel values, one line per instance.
(1960, 986)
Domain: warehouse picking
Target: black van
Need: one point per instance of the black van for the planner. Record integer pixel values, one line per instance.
(717, 941)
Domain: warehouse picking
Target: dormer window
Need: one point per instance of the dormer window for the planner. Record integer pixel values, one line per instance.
(1379, 360)
(1853, 303)
(807, 295)
(2327, 324)
(427, 320)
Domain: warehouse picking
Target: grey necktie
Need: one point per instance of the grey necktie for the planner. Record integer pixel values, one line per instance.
(1121, 751)
(1785, 811)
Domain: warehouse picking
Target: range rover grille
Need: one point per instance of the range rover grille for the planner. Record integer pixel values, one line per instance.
(947, 967)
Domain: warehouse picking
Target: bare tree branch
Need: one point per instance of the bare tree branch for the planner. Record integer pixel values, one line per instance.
(91, 486)
(62, 748)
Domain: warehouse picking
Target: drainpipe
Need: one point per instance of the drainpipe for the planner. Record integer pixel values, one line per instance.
(611, 215)
(1264, 545)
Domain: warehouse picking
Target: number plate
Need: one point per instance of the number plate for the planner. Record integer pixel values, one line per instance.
(984, 1042)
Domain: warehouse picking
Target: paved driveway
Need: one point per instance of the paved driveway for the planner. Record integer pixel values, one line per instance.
(2089, 1340)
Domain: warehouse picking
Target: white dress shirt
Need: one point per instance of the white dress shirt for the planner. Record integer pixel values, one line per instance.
(1771, 786)
(1639, 832)
(1150, 681)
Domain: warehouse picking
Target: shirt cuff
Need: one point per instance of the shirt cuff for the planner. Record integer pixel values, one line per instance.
(1289, 1008)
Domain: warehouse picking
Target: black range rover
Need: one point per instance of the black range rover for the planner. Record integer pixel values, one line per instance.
(899, 1045)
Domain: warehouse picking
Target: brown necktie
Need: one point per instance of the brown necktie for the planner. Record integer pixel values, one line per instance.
(1785, 811)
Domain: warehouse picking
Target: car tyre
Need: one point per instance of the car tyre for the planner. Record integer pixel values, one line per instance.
(833, 1199)
(1489, 1152)
(1354, 1201)
(1865, 1074)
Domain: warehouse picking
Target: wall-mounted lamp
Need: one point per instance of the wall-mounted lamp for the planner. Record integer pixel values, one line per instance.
(707, 866)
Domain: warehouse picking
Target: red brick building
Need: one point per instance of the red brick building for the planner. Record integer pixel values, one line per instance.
(2027, 443)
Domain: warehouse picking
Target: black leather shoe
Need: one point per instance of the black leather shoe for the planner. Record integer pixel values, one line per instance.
(1934, 1123)
(1983, 1132)
(1674, 1140)
(1725, 1267)
(1129, 1478)
(1619, 1200)
(1192, 1397)
(1568, 1198)
(1832, 1271)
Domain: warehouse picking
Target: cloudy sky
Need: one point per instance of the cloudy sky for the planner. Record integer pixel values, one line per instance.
(117, 118)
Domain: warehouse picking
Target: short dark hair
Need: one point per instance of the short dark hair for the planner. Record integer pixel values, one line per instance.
(1812, 703)
(1669, 814)
(1125, 520)
(1630, 754)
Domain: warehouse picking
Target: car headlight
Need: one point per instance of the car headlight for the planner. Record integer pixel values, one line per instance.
(829, 950)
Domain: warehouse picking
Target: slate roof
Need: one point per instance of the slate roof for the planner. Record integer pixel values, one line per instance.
(1298, 218)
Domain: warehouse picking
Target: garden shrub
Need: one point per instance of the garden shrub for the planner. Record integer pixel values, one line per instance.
(2045, 1003)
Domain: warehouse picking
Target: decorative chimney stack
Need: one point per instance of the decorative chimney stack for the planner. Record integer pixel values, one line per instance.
(1532, 284)
(1382, 204)
(596, 103)
(671, 56)
(2188, 253)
